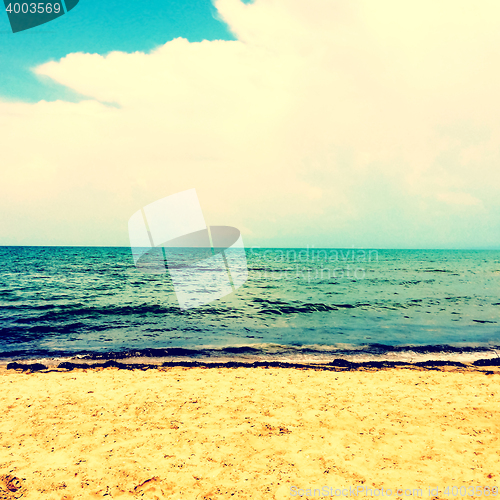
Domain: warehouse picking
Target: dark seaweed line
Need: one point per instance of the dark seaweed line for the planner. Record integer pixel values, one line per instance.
(337, 365)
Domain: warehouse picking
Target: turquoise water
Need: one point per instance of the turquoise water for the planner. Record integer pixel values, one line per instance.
(297, 303)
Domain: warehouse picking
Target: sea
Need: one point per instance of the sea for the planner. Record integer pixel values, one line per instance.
(298, 305)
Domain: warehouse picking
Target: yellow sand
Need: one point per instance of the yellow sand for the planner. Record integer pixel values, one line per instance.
(245, 433)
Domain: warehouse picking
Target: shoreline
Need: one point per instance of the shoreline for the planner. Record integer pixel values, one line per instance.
(328, 356)
(489, 365)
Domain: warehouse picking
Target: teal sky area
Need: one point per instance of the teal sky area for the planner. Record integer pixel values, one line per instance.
(95, 26)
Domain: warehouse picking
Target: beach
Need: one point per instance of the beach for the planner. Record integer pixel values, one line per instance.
(248, 433)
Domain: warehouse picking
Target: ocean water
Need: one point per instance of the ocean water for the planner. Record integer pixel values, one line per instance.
(308, 304)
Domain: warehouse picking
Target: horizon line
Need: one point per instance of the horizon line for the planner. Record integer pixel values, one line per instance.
(266, 248)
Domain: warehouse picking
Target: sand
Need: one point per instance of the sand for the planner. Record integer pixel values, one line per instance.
(246, 433)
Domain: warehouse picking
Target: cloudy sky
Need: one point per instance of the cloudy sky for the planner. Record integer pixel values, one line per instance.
(301, 122)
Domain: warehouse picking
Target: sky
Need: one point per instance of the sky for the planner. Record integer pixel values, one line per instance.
(326, 123)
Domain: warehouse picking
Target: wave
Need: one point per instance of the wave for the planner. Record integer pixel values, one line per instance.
(26, 316)
(335, 355)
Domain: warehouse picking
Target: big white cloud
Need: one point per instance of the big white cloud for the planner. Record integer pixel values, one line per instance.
(326, 123)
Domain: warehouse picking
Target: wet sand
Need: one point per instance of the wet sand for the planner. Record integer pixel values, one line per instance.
(247, 433)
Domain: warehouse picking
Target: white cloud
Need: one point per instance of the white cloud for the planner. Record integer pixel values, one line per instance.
(459, 199)
(326, 123)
